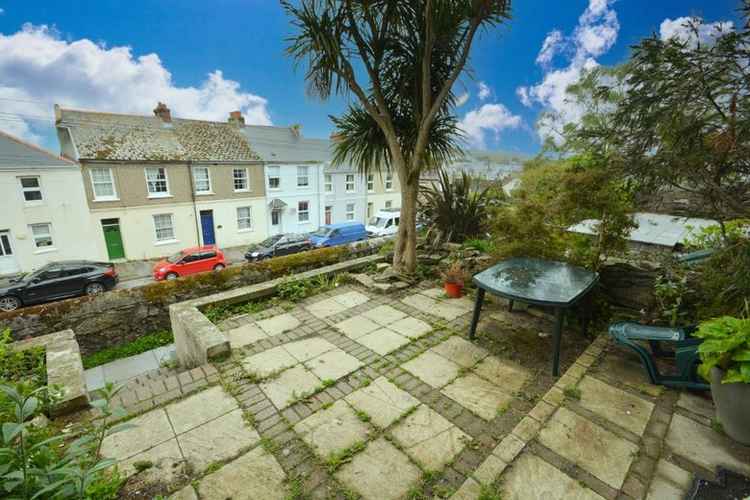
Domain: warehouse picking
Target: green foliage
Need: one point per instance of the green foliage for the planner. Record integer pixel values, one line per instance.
(295, 290)
(141, 344)
(216, 313)
(572, 392)
(726, 345)
(716, 236)
(27, 365)
(481, 245)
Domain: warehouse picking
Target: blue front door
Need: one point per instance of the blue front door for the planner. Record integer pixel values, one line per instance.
(207, 226)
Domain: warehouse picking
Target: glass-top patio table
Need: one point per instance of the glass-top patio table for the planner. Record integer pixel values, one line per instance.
(539, 282)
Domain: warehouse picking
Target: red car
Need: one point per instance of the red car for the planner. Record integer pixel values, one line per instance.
(190, 261)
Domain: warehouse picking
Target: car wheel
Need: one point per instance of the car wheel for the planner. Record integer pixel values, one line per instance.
(9, 303)
(94, 289)
(219, 267)
(171, 276)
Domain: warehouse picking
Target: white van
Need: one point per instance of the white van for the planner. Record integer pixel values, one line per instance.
(384, 223)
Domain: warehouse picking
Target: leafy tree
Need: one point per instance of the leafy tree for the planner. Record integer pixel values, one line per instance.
(400, 61)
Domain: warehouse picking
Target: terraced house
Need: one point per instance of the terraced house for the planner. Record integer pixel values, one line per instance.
(155, 184)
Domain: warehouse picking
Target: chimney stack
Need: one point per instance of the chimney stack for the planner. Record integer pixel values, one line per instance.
(162, 111)
(296, 130)
(236, 118)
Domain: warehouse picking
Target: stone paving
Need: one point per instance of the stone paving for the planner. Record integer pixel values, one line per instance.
(353, 395)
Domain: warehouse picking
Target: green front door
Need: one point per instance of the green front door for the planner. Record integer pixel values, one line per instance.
(113, 238)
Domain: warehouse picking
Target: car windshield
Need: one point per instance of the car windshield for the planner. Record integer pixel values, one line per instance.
(322, 232)
(269, 242)
(378, 221)
(175, 258)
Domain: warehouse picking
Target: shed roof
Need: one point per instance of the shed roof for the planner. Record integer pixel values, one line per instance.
(16, 153)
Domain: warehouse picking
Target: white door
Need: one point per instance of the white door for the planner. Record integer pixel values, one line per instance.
(8, 262)
(275, 221)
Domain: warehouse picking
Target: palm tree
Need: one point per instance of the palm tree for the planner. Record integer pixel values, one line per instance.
(409, 54)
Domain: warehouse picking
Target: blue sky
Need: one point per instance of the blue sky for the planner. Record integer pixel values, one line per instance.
(206, 58)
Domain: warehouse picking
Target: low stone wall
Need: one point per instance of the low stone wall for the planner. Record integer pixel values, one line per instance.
(122, 316)
(64, 369)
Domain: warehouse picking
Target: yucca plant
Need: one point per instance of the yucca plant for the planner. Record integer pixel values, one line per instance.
(454, 209)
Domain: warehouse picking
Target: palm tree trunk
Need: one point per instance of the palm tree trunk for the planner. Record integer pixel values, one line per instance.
(405, 252)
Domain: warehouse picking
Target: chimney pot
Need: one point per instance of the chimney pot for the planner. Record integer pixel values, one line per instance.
(162, 111)
(236, 118)
(296, 130)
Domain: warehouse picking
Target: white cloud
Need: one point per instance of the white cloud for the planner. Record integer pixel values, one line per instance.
(38, 66)
(680, 29)
(484, 91)
(595, 33)
(462, 99)
(489, 118)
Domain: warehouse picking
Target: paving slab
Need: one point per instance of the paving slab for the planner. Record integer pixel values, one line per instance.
(477, 395)
(591, 447)
(434, 293)
(447, 310)
(384, 315)
(420, 302)
(429, 438)
(412, 328)
(303, 350)
(186, 493)
(217, 440)
(505, 374)
(617, 406)
(627, 369)
(94, 378)
(379, 472)
(245, 335)
(333, 365)
(166, 463)
(357, 326)
(332, 429)
(670, 481)
(326, 307)
(200, 408)
(127, 368)
(432, 368)
(532, 477)
(382, 401)
(253, 476)
(383, 341)
(148, 430)
(465, 303)
(469, 490)
(290, 385)
(697, 404)
(460, 351)
(705, 447)
(269, 362)
(351, 299)
(276, 325)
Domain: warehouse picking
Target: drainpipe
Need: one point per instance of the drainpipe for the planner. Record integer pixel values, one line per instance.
(195, 206)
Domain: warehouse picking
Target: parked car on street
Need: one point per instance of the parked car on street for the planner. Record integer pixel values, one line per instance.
(190, 261)
(338, 234)
(384, 223)
(278, 244)
(57, 280)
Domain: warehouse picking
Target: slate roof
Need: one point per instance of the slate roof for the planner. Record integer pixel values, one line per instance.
(15, 153)
(283, 145)
(113, 136)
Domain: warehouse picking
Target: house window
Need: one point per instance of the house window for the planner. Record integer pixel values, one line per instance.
(32, 188)
(303, 179)
(202, 179)
(102, 184)
(156, 182)
(164, 226)
(389, 182)
(274, 179)
(239, 176)
(42, 234)
(329, 183)
(388, 204)
(370, 183)
(349, 183)
(350, 211)
(244, 219)
(303, 211)
(370, 209)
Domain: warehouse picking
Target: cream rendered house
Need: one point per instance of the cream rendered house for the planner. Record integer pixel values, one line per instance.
(44, 214)
(155, 185)
(383, 192)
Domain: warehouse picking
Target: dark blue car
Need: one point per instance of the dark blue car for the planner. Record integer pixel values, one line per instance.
(338, 234)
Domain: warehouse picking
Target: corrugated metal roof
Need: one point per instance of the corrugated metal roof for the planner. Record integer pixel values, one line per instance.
(283, 145)
(15, 153)
(654, 229)
(112, 136)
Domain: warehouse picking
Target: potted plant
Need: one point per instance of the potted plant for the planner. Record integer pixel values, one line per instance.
(454, 280)
(725, 356)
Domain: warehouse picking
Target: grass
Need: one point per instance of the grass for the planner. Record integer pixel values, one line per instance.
(336, 460)
(216, 313)
(363, 416)
(141, 344)
(572, 392)
(489, 493)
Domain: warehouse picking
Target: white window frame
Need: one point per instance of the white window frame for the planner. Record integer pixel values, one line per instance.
(46, 235)
(164, 241)
(370, 183)
(248, 219)
(328, 183)
(277, 169)
(208, 178)
(389, 182)
(25, 190)
(303, 172)
(113, 196)
(235, 178)
(306, 212)
(157, 194)
(353, 183)
(351, 210)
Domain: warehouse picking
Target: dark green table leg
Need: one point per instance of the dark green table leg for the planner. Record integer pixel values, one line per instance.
(559, 320)
(477, 310)
(510, 306)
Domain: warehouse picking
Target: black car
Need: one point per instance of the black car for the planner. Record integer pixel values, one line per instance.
(278, 244)
(58, 280)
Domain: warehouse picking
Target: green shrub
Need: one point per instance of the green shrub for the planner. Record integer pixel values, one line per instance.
(141, 344)
(216, 313)
(726, 345)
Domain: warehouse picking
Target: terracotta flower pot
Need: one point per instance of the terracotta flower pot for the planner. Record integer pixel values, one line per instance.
(454, 290)
(732, 406)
